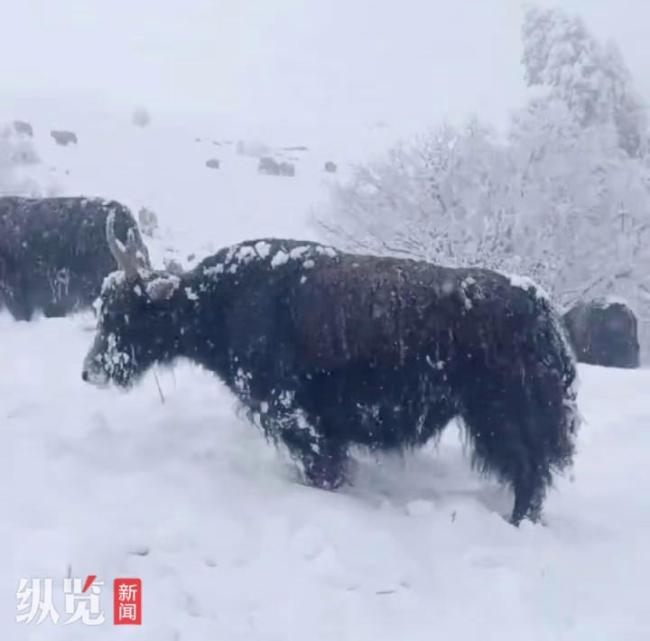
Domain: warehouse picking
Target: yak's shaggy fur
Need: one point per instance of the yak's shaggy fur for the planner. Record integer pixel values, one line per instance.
(53, 253)
(327, 350)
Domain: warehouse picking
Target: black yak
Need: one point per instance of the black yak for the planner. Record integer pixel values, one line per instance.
(63, 137)
(23, 128)
(272, 167)
(53, 252)
(603, 332)
(326, 350)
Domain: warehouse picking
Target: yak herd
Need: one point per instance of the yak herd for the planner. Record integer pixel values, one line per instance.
(326, 350)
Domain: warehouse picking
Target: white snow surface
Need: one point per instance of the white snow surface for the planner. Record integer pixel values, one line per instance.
(191, 499)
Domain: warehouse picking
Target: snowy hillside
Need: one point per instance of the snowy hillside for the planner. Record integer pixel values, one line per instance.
(171, 486)
(163, 167)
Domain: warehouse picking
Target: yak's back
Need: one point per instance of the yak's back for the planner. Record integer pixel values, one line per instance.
(50, 227)
(391, 310)
(337, 308)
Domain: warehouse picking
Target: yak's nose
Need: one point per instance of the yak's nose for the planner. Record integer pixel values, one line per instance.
(93, 375)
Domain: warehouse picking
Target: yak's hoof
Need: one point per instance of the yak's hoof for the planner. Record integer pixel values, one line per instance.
(534, 517)
(324, 477)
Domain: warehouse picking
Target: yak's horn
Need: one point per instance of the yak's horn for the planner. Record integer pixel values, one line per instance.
(132, 258)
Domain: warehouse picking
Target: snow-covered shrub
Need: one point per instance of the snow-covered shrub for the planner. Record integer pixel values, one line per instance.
(252, 148)
(147, 221)
(16, 151)
(141, 117)
(428, 200)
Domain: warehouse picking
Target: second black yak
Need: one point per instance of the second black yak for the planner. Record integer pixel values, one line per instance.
(53, 252)
(604, 332)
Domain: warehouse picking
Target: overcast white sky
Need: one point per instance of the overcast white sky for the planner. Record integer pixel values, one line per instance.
(311, 62)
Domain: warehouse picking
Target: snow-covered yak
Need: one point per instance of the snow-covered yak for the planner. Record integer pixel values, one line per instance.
(326, 350)
(53, 252)
(603, 332)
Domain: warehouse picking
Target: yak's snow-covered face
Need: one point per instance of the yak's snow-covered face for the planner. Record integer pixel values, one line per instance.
(132, 329)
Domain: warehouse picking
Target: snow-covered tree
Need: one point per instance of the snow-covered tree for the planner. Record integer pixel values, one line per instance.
(565, 199)
(590, 78)
(16, 151)
(582, 153)
(583, 204)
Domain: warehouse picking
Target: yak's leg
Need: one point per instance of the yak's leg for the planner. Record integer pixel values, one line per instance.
(510, 440)
(529, 495)
(323, 463)
(323, 458)
(325, 466)
(19, 306)
(499, 448)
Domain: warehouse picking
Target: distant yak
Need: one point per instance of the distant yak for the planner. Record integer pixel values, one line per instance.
(53, 252)
(326, 350)
(63, 137)
(23, 128)
(272, 167)
(604, 332)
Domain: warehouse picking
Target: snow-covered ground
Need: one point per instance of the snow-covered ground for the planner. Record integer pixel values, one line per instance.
(190, 498)
(187, 496)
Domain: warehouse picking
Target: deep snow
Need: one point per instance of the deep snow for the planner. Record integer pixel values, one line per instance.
(190, 498)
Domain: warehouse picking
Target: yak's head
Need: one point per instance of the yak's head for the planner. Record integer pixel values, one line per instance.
(135, 325)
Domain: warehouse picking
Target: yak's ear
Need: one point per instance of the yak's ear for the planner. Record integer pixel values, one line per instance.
(162, 287)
